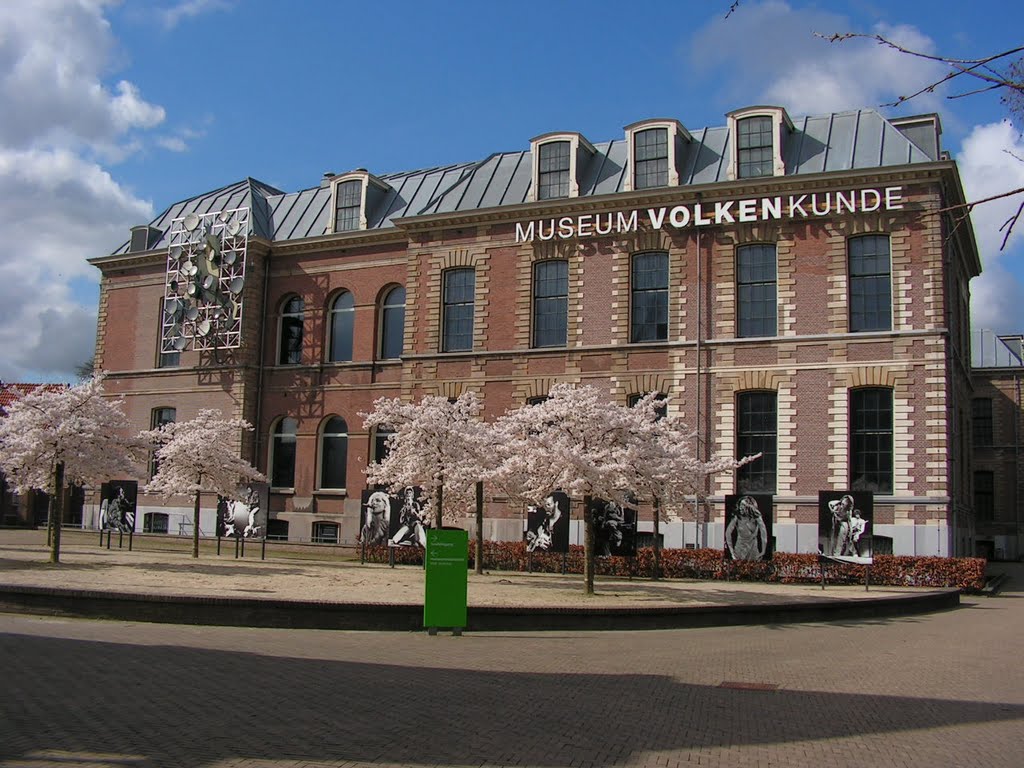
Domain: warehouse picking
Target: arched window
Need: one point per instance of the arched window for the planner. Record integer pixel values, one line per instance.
(290, 347)
(392, 324)
(282, 453)
(333, 453)
(342, 323)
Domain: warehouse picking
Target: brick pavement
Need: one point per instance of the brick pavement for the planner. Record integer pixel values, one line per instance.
(938, 690)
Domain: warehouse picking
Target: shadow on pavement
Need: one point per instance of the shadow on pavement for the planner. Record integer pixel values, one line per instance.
(167, 705)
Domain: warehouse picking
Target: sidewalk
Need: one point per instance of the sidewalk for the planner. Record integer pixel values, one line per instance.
(91, 580)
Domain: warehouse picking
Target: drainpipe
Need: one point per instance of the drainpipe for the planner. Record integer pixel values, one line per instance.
(260, 366)
(1016, 467)
(697, 417)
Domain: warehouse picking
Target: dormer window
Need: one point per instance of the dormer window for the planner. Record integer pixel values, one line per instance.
(559, 160)
(349, 197)
(650, 148)
(757, 135)
(655, 153)
(754, 147)
(356, 196)
(553, 170)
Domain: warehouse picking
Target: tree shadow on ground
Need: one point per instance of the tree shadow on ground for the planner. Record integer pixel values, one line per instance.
(168, 705)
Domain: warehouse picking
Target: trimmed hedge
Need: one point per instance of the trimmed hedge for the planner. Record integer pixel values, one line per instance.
(965, 573)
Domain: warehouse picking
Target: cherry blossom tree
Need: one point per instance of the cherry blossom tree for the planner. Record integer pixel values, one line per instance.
(662, 466)
(437, 444)
(198, 456)
(575, 441)
(52, 438)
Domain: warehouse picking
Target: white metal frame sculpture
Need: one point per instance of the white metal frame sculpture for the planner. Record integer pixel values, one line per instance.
(205, 278)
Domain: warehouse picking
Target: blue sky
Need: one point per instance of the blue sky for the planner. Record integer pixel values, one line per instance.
(113, 111)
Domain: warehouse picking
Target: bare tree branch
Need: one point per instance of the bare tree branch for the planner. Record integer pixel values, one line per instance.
(976, 68)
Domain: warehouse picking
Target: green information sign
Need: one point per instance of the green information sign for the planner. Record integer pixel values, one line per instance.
(444, 604)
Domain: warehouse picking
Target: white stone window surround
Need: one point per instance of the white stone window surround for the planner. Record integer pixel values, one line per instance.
(780, 123)
(676, 131)
(577, 145)
(367, 181)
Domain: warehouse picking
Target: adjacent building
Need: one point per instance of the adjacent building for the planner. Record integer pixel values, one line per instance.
(796, 286)
(996, 419)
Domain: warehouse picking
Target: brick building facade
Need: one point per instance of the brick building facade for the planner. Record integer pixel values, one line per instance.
(791, 286)
(996, 422)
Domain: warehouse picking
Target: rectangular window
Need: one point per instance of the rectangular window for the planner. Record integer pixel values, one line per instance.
(757, 432)
(157, 419)
(871, 453)
(457, 323)
(981, 421)
(754, 147)
(348, 205)
(870, 285)
(550, 303)
(650, 154)
(984, 496)
(155, 522)
(553, 170)
(166, 359)
(649, 282)
(756, 302)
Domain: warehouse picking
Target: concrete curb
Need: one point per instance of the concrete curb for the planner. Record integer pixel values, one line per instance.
(301, 614)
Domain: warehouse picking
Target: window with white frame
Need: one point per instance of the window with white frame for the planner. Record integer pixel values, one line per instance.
(553, 170)
(755, 147)
(650, 158)
(756, 142)
(559, 162)
(348, 205)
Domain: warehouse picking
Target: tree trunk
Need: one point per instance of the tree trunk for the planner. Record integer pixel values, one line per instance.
(57, 511)
(657, 538)
(195, 526)
(439, 512)
(480, 527)
(588, 550)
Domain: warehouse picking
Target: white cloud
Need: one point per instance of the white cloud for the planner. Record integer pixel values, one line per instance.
(58, 205)
(988, 168)
(189, 9)
(768, 53)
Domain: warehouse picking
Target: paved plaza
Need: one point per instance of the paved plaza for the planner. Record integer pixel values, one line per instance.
(943, 689)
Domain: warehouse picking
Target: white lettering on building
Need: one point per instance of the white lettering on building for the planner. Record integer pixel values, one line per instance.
(719, 212)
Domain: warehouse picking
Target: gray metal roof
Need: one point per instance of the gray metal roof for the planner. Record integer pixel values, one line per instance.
(830, 143)
(990, 350)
